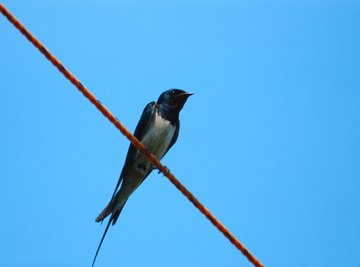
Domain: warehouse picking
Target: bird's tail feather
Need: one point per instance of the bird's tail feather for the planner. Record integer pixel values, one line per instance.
(113, 207)
(101, 241)
(115, 210)
(104, 213)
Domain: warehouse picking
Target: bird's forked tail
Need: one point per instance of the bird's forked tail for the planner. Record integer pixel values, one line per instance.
(114, 209)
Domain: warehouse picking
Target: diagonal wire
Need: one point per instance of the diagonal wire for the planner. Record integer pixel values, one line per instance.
(129, 136)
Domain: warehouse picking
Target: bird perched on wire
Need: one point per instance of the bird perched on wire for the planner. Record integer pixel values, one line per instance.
(158, 130)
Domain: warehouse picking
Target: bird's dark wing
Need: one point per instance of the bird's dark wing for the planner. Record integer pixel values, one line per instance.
(143, 124)
(140, 130)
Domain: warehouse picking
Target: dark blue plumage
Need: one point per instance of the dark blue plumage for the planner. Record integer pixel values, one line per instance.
(158, 130)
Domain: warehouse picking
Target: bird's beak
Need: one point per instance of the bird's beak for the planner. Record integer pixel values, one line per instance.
(181, 99)
(186, 94)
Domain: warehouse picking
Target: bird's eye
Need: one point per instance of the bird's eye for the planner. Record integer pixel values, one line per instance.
(172, 92)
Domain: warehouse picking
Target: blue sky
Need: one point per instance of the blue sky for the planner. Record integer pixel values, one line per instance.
(270, 142)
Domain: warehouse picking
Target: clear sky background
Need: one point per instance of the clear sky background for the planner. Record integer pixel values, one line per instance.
(270, 142)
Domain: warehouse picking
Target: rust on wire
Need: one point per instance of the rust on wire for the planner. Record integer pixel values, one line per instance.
(129, 136)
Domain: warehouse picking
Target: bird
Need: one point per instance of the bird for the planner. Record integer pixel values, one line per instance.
(158, 130)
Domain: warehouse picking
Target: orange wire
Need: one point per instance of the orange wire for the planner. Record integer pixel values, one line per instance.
(129, 136)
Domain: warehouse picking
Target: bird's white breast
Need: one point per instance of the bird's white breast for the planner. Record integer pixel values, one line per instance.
(159, 136)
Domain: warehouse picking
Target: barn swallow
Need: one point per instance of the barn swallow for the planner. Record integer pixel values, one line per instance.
(158, 130)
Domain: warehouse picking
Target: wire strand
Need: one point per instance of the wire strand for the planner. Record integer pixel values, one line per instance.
(129, 136)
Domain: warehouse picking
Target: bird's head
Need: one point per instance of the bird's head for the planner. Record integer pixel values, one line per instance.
(174, 98)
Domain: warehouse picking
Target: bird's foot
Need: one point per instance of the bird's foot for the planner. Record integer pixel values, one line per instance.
(159, 171)
(165, 172)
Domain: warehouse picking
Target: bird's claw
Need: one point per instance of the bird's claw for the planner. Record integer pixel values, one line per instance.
(166, 170)
(159, 171)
